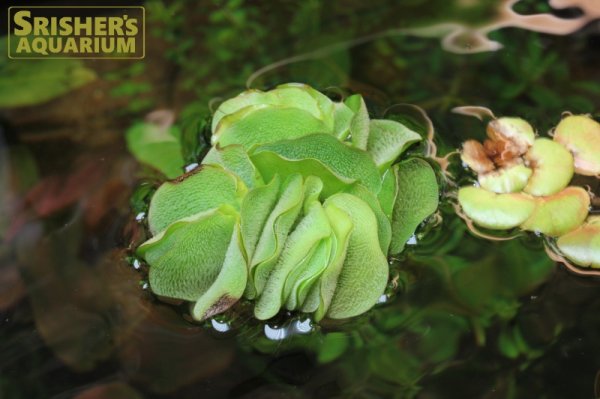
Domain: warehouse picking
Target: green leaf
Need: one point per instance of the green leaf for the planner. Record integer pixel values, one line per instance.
(333, 346)
(552, 167)
(297, 251)
(259, 124)
(275, 231)
(387, 140)
(388, 193)
(187, 257)
(359, 127)
(417, 199)
(495, 211)
(511, 179)
(582, 245)
(581, 135)
(235, 159)
(313, 186)
(324, 104)
(31, 82)
(200, 190)
(343, 117)
(302, 278)
(320, 296)
(256, 208)
(322, 155)
(291, 95)
(384, 228)
(364, 273)
(560, 213)
(157, 147)
(229, 285)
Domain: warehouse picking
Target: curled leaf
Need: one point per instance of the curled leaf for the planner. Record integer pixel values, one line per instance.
(473, 154)
(560, 213)
(506, 180)
(387, 140)
(229, 285)
(417, 199)
(275, 232)
(515, 134)
(267, 124)
(364, 272)
(384, 227)
(300, 250)
(388, 193)
(321, 155)
(321, 295)
(495, 211)
(234, 159)
(256, 208)
(582, 245)
(200, 190)
(187, 258)
(552, 167)
(359, 125)
(291, 95)
(581, 135)
(343, 118)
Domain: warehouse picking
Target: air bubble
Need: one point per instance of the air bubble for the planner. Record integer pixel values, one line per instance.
(303, 326)
(220, 326)
(276, 334)
(191, 167)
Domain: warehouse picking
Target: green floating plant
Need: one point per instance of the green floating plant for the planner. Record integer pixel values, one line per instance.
(524, 182)
(296, 206)
(582, 245)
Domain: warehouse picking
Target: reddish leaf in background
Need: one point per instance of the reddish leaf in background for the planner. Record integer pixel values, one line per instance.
(113, 390)
(97, 187)
(54, 193)
(12, 288)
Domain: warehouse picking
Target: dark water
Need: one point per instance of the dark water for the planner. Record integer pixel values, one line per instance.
(464, 317)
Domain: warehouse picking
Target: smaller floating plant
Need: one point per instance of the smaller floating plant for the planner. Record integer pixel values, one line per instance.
(523, 181)
(296, 206)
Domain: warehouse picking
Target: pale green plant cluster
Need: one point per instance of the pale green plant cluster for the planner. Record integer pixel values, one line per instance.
(296, 206)
(523, 181)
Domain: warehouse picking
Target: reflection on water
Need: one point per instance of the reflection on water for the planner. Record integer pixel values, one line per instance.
(463, 317)
(466, 38)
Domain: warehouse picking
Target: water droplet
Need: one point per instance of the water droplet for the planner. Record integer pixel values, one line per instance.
(303, 326)
(145, 286)
(220, 326)
(140, 216)
(412, 240)
(276, 334)
(136, 264)
(191, 167)
(382, 299)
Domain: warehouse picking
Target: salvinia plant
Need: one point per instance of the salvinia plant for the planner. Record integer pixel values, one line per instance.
(297, 206)
(523, 181)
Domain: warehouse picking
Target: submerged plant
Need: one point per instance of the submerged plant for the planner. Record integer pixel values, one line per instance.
(296, 206)
(524, 182)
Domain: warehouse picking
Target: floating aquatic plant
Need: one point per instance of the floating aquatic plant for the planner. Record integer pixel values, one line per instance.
(296, 206)
(524, 182)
